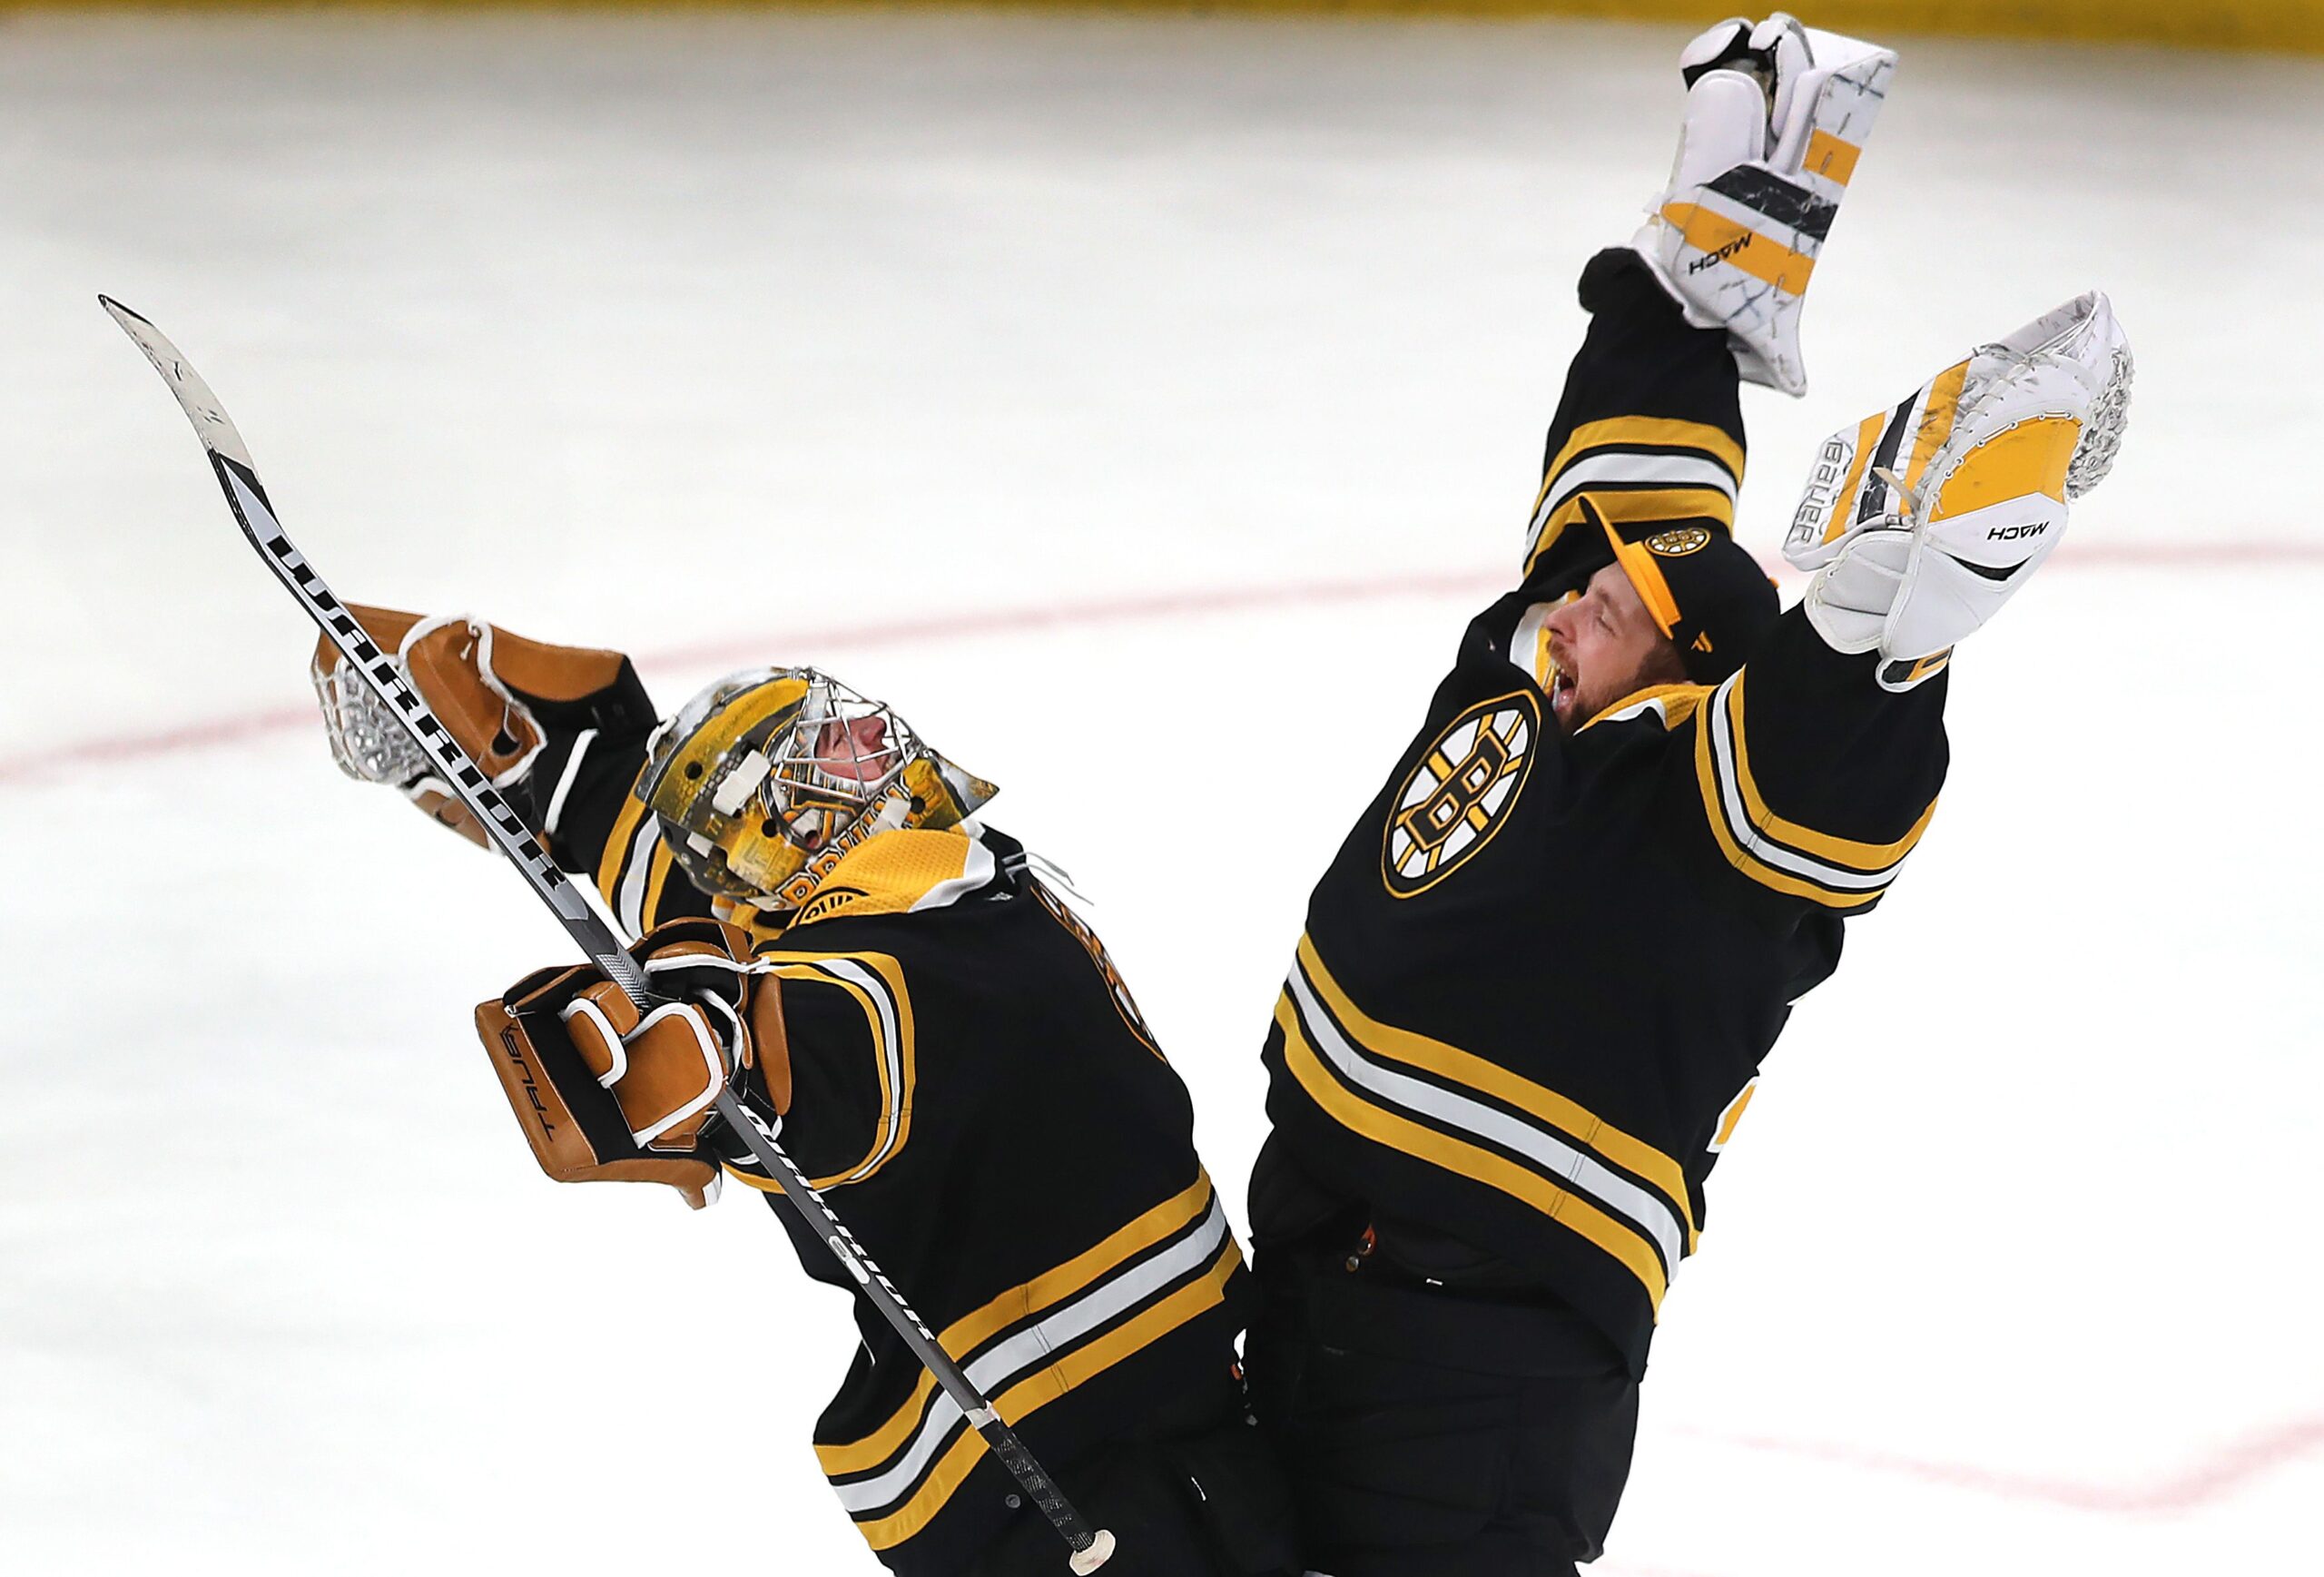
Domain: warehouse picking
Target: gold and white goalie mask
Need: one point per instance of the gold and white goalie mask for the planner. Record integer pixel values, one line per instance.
(767, 778)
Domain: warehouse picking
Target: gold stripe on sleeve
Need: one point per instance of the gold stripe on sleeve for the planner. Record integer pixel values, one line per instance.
(1630, 507)
(1655, 431)
(1868, 858)
(657, 875)
(615, 854)
(1742, 859)
(895, 1105)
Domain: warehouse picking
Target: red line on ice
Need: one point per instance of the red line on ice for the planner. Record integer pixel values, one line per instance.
(1096, 613)
(737, 650)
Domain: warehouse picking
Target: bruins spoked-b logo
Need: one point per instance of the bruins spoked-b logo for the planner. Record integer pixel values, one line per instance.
(1456, 797)
(1678, 542)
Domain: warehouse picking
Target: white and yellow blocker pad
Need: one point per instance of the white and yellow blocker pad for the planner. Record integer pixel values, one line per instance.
(1777, 119)
(1921, 521)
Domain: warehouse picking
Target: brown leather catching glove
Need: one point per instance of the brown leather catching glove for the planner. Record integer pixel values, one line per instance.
(500, 696)
(605, 1092)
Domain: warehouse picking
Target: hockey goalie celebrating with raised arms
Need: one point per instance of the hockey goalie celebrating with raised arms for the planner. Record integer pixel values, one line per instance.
(1540, 976)
(944, 1047)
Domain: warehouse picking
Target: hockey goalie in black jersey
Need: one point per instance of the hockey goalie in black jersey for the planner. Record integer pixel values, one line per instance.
(947, 1052)
(1540, 976)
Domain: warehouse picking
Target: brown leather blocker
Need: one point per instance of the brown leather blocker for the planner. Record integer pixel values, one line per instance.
(663, 1067)
(579, 1130)
(446, 668)
(564, 1147)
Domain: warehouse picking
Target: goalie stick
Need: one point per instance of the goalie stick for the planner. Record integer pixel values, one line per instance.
(230, 458)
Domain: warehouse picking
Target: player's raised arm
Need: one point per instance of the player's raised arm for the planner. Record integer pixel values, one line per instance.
(525, 712)
(607, 1093)
(1760, 178)
(1817, 764)
(1649, 435)
(561, 731)
(1647, 439)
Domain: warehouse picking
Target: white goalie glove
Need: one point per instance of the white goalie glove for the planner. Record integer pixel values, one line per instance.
(1777, 116)
(1921, 521)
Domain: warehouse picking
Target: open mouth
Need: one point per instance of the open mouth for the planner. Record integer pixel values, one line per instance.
(1562, 692)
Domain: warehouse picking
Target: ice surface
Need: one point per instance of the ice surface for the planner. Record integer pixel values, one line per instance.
(1142, 405)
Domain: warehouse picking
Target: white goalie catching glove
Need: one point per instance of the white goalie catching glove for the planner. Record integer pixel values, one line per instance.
(1921, 521)
(1777, 116)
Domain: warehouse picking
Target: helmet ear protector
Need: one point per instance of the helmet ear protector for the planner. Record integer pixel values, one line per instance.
(767, 777)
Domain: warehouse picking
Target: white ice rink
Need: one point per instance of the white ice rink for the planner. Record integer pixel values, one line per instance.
(1142, 405)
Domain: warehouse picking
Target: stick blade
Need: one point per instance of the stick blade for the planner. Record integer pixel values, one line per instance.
(210, 423)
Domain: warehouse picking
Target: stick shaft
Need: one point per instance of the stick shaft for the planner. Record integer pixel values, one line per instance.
(1001, 1440)
(229, 458)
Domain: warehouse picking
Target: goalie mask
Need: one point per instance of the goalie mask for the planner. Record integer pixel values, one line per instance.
(767, 778)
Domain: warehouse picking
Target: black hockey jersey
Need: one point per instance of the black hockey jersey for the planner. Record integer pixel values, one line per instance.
(1540, 976)
(974, 1088)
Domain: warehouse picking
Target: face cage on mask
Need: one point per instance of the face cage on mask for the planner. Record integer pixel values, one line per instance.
(820, 778)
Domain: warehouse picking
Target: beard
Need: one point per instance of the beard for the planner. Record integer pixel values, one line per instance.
(1577, 697)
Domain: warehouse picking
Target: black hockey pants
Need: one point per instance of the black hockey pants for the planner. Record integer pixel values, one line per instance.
(1431, 1434)
(1208, 1505)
